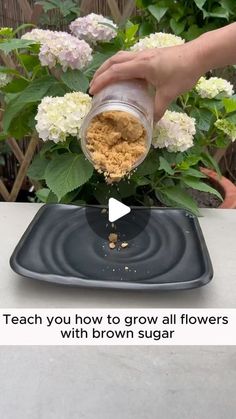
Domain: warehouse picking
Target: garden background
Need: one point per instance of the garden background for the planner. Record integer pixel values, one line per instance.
(194, 18)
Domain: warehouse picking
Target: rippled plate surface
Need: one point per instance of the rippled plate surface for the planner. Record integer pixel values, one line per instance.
(60, 246)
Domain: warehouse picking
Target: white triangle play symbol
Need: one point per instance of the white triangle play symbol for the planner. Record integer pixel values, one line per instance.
(116, 210)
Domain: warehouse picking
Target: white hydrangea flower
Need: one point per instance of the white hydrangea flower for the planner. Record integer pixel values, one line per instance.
(4, 79)
(40, 35)
(93, 28)
(59, 117)
(175, 131)
(210, 88)
(61, 48)
(157, 40)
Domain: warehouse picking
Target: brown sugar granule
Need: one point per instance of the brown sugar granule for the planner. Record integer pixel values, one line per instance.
(113, 241)
(113, 237)
(116, 140)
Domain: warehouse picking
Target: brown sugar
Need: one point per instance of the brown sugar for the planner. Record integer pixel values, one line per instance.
(113, 237)
(113, 242)
(116, 140)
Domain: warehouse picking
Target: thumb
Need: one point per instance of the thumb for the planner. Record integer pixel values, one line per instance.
(161, 104)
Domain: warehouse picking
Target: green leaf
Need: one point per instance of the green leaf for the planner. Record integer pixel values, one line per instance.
(200, 186)
(3, 136)
(32, 94)
(15, 43)
(222, 141)
(189, 161)
(22, 124)
(230, 105)
(46, 148)
(176, 108)
(200, 3)
(75, 80)
(37, 168)
(193, 32)
(204, 118)
(42, 194)
(131, 32)
(145, 29)
(171, 157)
(211, 104)
(70, 196)
(47, 6)
(231, 118)
(177, 27)
(157, 11)
(52, 198)
(142, 181)
(8, 70)
(194, 173)
(67, 172)
(163, 199)
(29, 61)
(229, 5)
(164, 165)
(57, 89)
(16, 86)
(208, 160)
(149, 165)
(179, 197)
(126, 188)
(98, 59)
(219, 12)
(143, 3)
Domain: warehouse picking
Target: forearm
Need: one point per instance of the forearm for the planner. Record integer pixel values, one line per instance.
(216, 49)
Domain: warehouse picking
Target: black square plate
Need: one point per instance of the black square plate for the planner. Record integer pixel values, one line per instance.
(61, 246)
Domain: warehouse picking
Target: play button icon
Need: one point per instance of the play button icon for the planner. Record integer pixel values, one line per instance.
(116, 217)
(116, 210)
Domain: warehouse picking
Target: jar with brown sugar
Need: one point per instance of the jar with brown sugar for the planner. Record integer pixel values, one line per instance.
(116, 134)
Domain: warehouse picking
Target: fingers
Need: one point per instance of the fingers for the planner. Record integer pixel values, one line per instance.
(120, 57)
(161, 104)
(124, 71)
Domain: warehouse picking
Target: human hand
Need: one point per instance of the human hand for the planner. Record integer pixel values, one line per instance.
(172, 71)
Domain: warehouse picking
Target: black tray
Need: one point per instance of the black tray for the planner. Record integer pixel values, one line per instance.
(60, 246)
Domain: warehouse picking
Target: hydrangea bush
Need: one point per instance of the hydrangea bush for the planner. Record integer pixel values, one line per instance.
(47, 95)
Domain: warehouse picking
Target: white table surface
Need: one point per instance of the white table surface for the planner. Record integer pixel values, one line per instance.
(219, 229)
(118, 382)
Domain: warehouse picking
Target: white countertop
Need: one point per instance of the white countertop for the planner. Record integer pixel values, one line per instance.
(219, 229)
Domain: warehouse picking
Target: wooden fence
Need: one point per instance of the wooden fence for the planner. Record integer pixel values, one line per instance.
(13, 13)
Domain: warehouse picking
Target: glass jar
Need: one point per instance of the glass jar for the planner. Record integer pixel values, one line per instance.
(132, 96)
